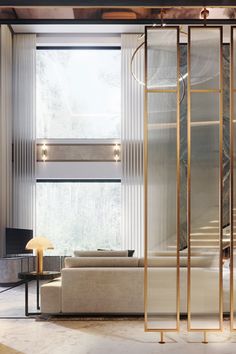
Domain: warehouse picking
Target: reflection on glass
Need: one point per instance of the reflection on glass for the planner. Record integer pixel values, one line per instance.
(78, 93)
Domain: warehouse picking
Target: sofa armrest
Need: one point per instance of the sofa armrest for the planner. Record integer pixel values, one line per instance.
(51, 297)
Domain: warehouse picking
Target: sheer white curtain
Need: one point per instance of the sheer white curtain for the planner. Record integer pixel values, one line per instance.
(5, 131)
(132, 145)
(24, 75)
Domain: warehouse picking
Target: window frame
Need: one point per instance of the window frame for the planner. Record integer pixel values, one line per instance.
(78, 47)
(78, 180)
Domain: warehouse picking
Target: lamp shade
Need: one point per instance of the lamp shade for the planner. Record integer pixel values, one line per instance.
(39, 243)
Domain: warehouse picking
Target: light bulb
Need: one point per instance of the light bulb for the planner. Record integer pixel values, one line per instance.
(44, 152)
(116, 152)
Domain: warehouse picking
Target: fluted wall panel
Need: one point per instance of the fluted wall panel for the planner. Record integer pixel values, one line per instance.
(24, 65)
(132, 144)
(5, 131)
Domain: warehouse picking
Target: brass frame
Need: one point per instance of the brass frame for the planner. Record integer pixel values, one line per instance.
(220, 91)
(177, 91)
(232, 143)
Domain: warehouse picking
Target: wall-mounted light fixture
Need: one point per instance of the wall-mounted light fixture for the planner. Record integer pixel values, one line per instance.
(44, 152)
(117, 152)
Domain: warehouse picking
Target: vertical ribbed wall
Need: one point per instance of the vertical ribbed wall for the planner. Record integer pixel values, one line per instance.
(132, 144)
(5, 131)
(24, 69)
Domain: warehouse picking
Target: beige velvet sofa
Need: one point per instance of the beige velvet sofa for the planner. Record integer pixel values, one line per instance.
(115, 285)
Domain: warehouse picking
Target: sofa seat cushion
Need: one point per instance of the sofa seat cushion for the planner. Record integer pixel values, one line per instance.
(102, 290)
(170, 262)
(101, 262)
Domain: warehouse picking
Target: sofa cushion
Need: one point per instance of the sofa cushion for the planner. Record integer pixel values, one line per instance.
(102, 290)
(100, 262)
(96, 253)
(130, 252)
(168, 261)
(183, 253)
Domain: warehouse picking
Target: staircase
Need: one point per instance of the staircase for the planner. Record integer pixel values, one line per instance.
(206, 238)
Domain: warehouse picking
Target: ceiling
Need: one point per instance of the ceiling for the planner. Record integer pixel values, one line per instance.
(109, 14)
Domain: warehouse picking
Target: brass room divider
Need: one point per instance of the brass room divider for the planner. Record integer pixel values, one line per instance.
(204, 170)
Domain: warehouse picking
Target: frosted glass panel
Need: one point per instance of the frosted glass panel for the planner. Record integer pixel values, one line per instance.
(161, 60)
(161, 207)
(205, 58)
(161, 173)
(205, 232)
(234, 207)
(233, 284)
(204, 228)
(205, 174)
(205, 108)
(161, 301)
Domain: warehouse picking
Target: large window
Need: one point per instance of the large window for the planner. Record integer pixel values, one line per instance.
(78, 93)
(79, 215)
(78, 96)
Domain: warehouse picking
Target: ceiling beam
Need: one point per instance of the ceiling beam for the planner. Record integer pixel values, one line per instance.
(44, 13)
(117, 3)
(117, 22)
(8, 13)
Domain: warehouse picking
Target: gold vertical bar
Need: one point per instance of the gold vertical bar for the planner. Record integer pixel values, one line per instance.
(231, 179)
(189, 183)
(146, 187)
(220, 92)
(162, 341)
(145, 152)
(205, 340)
(221, 184)
(178, 185)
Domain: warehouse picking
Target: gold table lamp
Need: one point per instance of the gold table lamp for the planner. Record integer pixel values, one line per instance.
(39, 244)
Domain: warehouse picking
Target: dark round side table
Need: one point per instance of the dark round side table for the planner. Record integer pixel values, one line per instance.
(29, 276)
